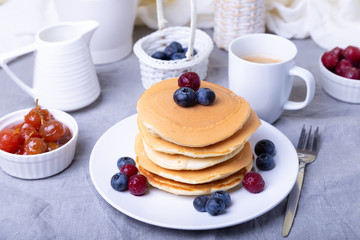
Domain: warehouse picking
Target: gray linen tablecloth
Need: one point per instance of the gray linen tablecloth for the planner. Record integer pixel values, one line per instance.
(67, 205)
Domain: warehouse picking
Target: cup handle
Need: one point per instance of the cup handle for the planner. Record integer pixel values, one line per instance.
(310, 88)
(9, 56)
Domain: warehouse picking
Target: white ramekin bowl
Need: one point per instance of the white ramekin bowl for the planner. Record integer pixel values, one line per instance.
(344, 89)
(40, 165)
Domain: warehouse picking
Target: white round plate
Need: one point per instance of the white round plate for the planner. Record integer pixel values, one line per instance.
(163, 209)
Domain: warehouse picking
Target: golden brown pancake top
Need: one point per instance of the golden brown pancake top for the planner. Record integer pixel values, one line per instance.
(195, 126)
(224, 147)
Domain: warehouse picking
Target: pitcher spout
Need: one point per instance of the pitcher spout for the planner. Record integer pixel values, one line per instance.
(88, 29)
(66, 32)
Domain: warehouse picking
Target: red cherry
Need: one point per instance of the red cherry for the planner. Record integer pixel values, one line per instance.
(190, 80)
(330, 60)
(253, 182)
(137, 185)
(338, 52)
(352, 54)
(129, 170)
(351, 72)
(9, 141)
(342, 66)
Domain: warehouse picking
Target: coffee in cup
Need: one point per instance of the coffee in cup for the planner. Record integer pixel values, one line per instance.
(261, 70)
(260, 59)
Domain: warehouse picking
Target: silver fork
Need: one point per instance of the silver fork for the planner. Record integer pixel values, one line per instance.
(307, 150)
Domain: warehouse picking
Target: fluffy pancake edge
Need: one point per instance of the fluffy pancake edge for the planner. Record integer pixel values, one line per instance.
(213, 173)
(224, 147)
(182, 162)
(179, 188)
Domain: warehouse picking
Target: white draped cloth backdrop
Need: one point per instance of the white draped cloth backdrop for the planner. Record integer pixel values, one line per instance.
(329, 23)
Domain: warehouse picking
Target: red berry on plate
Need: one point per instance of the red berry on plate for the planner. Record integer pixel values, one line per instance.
(342, 66)
(129, 170)
(253, 182)
(190, 80)
(352, 54)
(330, 60)
(137, 185)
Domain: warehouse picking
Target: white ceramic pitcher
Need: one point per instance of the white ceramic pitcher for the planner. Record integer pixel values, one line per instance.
(113, 40)
(64, 73)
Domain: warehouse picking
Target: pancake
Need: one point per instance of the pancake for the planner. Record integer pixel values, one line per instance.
(224, 147)
(179, 188)
(195, 126)
(218, 171)
(181, 162)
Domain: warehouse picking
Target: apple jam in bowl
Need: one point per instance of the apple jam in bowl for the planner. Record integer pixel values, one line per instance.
(37, 143)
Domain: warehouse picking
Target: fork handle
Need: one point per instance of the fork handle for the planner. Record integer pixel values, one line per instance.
(293, 201)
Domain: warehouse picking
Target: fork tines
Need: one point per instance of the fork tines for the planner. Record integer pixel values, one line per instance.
(308, 141)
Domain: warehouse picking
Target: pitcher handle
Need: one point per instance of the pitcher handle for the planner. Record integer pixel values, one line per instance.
(5, 58)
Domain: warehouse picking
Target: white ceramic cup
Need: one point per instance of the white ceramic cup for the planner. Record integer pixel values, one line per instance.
(267, 86)
(113, 39)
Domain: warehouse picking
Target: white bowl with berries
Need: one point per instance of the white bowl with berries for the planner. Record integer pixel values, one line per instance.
(340, 69)
(37, 143)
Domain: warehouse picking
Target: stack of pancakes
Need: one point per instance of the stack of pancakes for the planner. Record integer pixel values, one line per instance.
(195, 150)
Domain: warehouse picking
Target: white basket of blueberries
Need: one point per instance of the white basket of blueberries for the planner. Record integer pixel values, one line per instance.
(169, 52)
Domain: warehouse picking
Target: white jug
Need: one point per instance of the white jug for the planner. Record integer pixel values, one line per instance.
(64, 73)
(113, 39)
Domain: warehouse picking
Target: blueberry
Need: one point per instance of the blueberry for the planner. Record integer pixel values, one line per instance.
(185, 97)
(169, 50)
(200, 202)
(264, 146)
(186, 49)
(177, 56)
(125, 160)
(265, 162)
(159, 55)
(119, 182)
(205, 96)
(224, 195)
(177, 46)
(215, 206)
